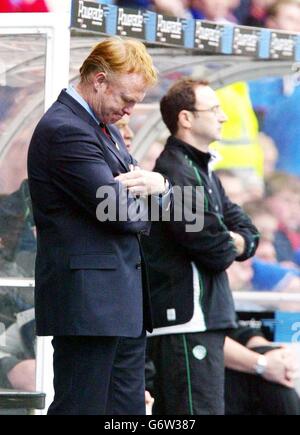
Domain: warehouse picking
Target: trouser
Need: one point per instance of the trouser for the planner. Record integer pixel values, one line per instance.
(189, 375)
(98, 376)
(247, 394)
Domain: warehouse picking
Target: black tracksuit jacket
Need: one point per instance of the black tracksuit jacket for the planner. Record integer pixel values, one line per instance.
(187, 270)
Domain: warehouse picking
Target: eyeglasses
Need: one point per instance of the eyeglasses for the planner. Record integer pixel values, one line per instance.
(214, 109)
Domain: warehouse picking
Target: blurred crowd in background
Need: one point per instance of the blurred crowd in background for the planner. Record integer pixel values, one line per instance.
(245, 12)
(259, 13)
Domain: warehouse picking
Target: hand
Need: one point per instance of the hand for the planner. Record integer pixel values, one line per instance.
(141, 182)
(148, 402)
(239, 242)
(22, 375)
(280, 367)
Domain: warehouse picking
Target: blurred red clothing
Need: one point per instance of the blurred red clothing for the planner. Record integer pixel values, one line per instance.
(23, 6)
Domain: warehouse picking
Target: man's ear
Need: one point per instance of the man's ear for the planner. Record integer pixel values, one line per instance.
(184, 119)
(99, 79)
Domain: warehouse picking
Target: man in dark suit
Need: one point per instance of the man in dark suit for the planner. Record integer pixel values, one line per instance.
(89, 290)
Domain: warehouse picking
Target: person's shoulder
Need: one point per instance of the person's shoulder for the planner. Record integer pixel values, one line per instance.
(172, 152)
(174, 163)
(170, 158)
(61, 121)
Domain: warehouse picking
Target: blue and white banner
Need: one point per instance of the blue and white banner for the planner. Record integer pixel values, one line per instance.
(200, 35)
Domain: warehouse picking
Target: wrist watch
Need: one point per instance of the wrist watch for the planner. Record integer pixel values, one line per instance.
(261, 365)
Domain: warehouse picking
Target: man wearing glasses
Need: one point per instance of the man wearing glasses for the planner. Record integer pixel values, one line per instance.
(192, 302)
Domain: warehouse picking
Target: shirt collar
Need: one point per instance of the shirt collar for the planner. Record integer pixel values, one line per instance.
(74, 94)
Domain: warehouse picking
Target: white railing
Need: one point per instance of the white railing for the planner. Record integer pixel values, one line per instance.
(16, 282)
(258, 296)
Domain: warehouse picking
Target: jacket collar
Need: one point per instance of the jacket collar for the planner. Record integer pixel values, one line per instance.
(200, 157)
(76, 108)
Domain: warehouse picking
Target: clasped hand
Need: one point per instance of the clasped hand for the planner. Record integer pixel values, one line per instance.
(141, 182)
(281, 366)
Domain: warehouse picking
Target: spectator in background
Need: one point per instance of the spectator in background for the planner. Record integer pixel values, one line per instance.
(268, 272)
(283, 200)
(17, 353)
(17, 363)
(218, 10)
(267, 225)
(242, 11)
(175, 8)
(241, 186)
(233, 186)
(283, 15)
(271, 276)
(24, 6)
(148, 161)
(155, 149)
(257, 12)
(259, 378)
(276, 99)
(126, 132)
(16, 228)
(270, 154)
(265, 221)
(11, 227)
(12, 224)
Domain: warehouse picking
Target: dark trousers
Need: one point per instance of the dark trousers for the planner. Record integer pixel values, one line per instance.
(189, 378)
(98, 376)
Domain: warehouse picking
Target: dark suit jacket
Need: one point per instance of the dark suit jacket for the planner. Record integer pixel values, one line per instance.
(88, 273)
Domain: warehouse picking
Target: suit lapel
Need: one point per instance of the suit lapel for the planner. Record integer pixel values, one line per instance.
(112, 147)
(80, 111)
